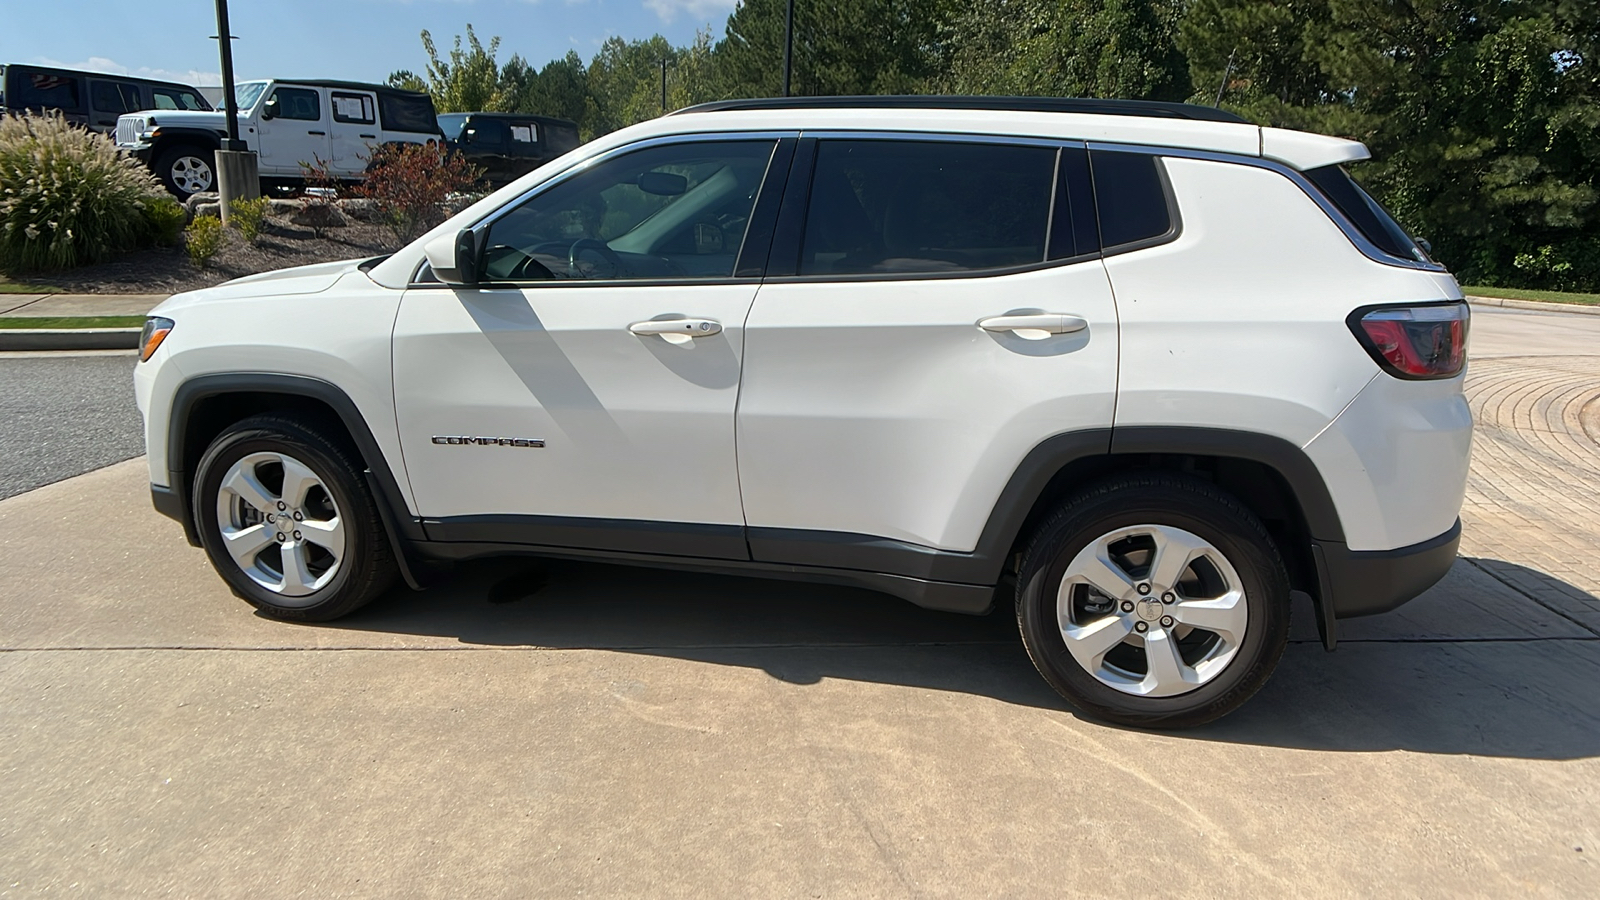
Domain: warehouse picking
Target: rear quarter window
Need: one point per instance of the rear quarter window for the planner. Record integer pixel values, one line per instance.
(1367, 214)
(43, 90)
(404, 112)
(1131, 196)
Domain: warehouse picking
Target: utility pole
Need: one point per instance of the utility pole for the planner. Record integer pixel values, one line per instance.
(663, 84)
(237, 173)
(788, 46)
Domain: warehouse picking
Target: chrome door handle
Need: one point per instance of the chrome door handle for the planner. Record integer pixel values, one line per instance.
(677, 331)
(1043, 324)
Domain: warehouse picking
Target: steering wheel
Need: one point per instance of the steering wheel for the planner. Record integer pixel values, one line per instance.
(524, 269)
(600, 249)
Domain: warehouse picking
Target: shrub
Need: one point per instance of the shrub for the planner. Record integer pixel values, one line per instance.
(166, 218)
(322, 192)
(247, 217)
(68, 197)
(408, 184)
(203, 238)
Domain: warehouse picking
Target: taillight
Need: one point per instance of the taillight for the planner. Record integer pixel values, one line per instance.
(1415, 342)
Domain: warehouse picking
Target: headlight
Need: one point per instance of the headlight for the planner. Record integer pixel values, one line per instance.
(155, 331)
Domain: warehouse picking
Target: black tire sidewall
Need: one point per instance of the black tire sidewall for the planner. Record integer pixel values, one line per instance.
(335, 476)
(1205, 513)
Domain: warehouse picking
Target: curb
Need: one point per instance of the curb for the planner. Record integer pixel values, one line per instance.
(69, 339)
(1536, 305)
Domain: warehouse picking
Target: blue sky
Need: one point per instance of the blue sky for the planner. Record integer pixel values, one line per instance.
(361, 40)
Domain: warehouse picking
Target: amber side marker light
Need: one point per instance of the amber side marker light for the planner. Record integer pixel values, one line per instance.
(155, 331)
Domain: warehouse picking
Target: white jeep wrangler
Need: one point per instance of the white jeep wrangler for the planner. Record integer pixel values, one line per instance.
(1146, 367)
(287, 123)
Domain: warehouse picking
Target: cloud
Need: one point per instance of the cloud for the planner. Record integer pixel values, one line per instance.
(112, 67)
(705, 9)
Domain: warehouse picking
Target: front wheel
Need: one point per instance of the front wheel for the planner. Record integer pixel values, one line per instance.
(1156, 601)
(287, 520)
(186, 171)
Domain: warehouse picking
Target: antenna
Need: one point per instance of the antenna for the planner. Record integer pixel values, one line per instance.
(1226, 71)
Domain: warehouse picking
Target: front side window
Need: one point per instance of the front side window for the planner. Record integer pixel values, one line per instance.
(170, 98)
(891, 206)
(298, 103)
(673, 211)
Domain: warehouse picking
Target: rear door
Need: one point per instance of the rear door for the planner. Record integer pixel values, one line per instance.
(354, 131)
(297, 132)
(109, 99)
(946, 312)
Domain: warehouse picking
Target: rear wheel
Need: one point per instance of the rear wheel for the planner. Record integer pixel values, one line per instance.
(287, 520)
(1155, 601)
(186, 170)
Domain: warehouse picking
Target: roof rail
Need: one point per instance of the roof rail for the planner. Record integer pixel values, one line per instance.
(1009, 104)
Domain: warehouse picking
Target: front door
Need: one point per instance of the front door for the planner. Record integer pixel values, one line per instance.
(944, 317)
(297, 132)
(584, 394)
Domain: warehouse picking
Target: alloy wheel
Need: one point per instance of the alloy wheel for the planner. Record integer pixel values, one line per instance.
(191, 174)
(279, 522)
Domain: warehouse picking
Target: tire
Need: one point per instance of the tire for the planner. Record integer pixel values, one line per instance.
(334, 556)
(187, 170)
(1167, 658)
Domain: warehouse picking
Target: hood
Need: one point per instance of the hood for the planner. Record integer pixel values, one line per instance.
(181, 118)
(312, 279)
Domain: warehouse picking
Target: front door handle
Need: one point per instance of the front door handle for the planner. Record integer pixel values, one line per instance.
(317, 132)
(677, 331)
(1035, 326)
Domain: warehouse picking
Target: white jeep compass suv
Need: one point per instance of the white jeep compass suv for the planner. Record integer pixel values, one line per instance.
(1146, 367)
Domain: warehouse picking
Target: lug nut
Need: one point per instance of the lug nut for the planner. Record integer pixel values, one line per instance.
(1127, 606)
(282, 505)
(298, 516)
(1144, 589)
(280, 537)
(1169, 597)
(1166, 621)
(297, 535)
(1140, 627)
(271, 517)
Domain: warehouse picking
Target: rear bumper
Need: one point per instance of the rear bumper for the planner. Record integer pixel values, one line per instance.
(1368, 582)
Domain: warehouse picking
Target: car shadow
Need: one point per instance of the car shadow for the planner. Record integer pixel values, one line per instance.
(1508, 695)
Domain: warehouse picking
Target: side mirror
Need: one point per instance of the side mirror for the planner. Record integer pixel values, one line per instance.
(454, 257)
(269, 109)
(467, 134)
(1426, 246)
(662, 184)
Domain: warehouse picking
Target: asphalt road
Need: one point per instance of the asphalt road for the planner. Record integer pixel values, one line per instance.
(64, 414)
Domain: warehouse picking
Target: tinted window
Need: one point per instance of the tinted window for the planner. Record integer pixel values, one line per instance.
(925, 206)
(355, 108)
(111, 97)
(406, 112)
(488, 134)
(1073, 230)
(1130, 196)
(42, 90)
(1367, 214)
(675, 211)
(451, 123)
(298, 103)
(172, 98)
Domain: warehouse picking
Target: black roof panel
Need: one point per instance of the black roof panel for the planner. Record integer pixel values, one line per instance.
(1147, 108)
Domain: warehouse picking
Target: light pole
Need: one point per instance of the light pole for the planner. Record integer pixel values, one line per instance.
(238, 176)
(663, 84)
(788, 46)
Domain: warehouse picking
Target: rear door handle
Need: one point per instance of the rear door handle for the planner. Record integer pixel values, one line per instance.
(316, 132)
(677, 331)
(373, 136)
(1035, 326)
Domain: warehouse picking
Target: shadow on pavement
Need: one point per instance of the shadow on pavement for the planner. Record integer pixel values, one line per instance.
(1504, 696)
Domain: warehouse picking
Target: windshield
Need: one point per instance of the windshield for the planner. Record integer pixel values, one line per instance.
(245, 95)
(450, 124)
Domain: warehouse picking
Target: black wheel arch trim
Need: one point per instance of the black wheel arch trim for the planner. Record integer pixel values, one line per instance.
(391, 500)
(181, 136)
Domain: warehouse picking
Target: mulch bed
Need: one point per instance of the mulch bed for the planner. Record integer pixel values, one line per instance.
(167, 270)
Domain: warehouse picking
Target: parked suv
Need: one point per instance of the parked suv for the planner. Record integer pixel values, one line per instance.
(507, 146)
(91, 99)
(287, 122)
(1142, 370)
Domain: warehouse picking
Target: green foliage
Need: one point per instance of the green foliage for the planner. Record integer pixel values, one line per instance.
(247, 217)
(469, 81)
(67, 197)
(203, 239)
(166, 218)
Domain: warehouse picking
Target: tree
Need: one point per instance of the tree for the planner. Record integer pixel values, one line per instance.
(469, 81)
(406, 80)
(840, 47)
(1483, 116)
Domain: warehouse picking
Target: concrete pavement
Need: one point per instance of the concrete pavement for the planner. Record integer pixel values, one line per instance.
(569, 729)
(38, 305)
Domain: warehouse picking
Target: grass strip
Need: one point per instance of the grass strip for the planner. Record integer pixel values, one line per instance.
(14, 287)
(71, 321)
(1520, 294)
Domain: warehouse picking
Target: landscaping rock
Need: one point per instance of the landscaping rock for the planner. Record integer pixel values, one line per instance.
(196, 200)
(359, 208)
(319, 216)
(212, 208)
(282, 208)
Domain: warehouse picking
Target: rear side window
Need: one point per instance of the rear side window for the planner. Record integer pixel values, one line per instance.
(884, 207)
(43, 90)
(112, 97)
(1131, 195)
(353, 108)
(405, 112)
(1369, 216)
